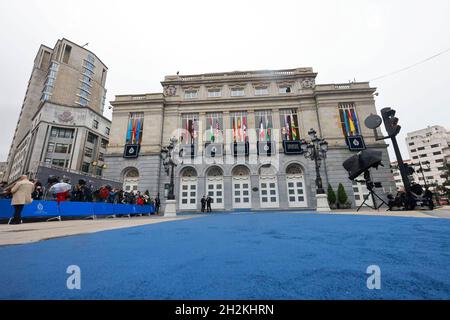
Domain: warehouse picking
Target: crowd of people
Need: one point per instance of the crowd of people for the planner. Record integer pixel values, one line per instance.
(24, 191)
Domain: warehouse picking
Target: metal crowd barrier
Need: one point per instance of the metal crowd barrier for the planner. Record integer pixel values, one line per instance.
(51, 210)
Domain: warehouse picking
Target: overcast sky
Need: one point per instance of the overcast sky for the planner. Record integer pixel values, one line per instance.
(142, 41)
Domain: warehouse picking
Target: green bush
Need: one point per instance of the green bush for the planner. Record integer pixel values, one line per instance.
(341, 195)
(331, 195)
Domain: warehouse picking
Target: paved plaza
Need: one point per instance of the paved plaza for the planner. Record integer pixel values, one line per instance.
(271, 255)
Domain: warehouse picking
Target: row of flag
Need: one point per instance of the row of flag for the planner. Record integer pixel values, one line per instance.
(290, 129)
(349, 121)
(134, 132)
(239, 126)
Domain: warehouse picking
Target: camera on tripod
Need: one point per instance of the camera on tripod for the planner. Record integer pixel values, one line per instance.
(361, 163)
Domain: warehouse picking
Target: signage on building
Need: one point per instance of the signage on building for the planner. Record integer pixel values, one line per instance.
(356, 143)
(240, 148)
(187, 151)
(213, 150)
(131, 151)
(265, 148)
(292, 147)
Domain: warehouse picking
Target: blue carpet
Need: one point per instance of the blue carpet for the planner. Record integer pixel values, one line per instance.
(239, 256)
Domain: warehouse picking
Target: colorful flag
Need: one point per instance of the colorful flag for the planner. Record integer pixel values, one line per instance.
(287, 120)
(355, 120)
(130, 128)
(239, 128)
(351, 123)
(211, 130)
(234, 130)
(134, 131)
(217, 131)
(261, 130)
(268, 125)
(294, 129)
(347, 128)
(244, 126)
(138, 129)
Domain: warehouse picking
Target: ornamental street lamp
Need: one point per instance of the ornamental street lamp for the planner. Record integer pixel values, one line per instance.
(169, 164)
(315, 150)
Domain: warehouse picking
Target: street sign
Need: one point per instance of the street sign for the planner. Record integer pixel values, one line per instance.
(131, 151)
(356, 143)
(292, 147)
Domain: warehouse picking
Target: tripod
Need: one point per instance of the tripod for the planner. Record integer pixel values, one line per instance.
(370, 186)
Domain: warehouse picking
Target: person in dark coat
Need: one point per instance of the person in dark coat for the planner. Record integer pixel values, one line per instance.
(203, 202)
(157, 204)
(208, 204)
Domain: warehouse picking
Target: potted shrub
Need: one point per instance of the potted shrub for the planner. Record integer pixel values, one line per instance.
(342, 197)
(331, 196)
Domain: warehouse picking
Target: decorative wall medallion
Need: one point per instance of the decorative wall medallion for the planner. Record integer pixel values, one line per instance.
(66, 116)
(170, 91)
(308, 83)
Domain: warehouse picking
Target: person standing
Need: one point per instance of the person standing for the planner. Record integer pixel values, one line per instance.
(208, 204)
(157, 204)
(21, 192)
(203, 202)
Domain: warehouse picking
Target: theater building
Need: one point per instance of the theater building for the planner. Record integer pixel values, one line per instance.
(239, 137)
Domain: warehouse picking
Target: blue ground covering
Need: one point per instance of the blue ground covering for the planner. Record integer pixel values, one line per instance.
(240, 256)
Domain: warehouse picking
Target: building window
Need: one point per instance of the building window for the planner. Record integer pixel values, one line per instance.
(104, 143)
(101, 156)
(189, 128)
(107, 130)
(214, 93)
(284, 89)
(239, 125)
(439, 160)
(261, 91)
(411, 143)
(95, 124)
(214, 127)
(85, 167)
(416, 157)
(423, 155)
(421, 148)
(264, 122)
(48, 161)
(349, 119)
(59, 163)
(289, 124)
(435, 145)
(57, 132)
(437, 153)
(62, 148)
(91, 137)
(190, 94)
(67, 50)
(237, 92)
(50, 147)
(88, 152)
(135, 128)
(413, 150)
(49, 82)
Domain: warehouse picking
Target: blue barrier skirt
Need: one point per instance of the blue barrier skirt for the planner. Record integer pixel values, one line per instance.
(40, 208)
(6, 209)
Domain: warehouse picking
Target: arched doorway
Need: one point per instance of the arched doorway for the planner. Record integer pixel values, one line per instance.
(188, 189)
(296, 191)
(130, 179)
(241, 187)
(214, 186)
(268, 187)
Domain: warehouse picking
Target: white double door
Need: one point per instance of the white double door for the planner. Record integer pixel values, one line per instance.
(268, 188)
(214, 188)
(296, 191)
(188, 193)
(361, 192)
(241, 192)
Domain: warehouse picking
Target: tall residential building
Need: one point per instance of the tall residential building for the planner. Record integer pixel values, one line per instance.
(61, 123)
(428, 147)
(239, 137)
(2, 170)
